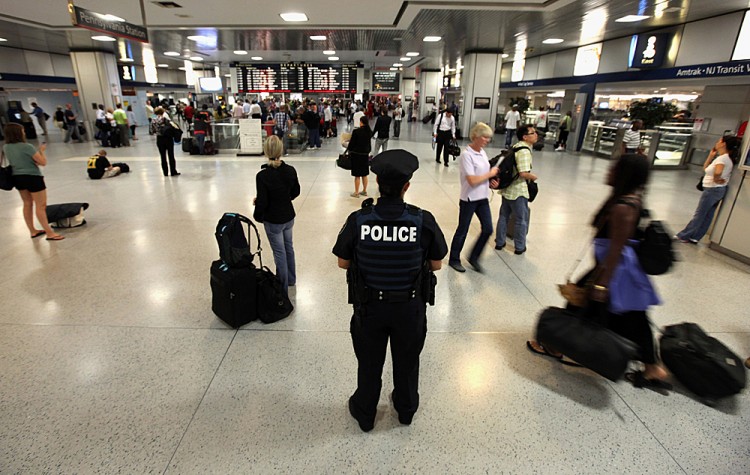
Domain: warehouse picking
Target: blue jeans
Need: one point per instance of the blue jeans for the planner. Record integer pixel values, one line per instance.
(704, 214)
(314, 139)
(466, 209)
(280, 238)
(520, 209)
(201, 139)
(509, 134)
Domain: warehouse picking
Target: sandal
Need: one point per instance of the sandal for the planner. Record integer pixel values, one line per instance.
(59, 237)
(543, 352)
(640, 381)
(37, 234)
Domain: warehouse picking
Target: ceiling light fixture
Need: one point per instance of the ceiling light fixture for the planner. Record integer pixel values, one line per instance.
(293, 17)
(256, 58)
(227, 75)
(412, 53)
(196, 58)
(405, 58)
(171, 53)
(432, 39)
(504, 55)
(2, 39)
(329, 52)
(126, 60)
(553, 41)
(181, 68)
(198, 38)
(333, 58)
(393, 69)
(103, 38)
(240, 51)
(397, 65)
(162, 65)
(318, 38)
(632, 18)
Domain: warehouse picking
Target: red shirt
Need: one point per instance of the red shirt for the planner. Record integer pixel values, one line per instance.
(188, 112)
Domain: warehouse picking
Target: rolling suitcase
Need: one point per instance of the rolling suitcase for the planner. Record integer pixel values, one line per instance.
(233, 293)
(209, 148)
(187, 144)
(702, 363)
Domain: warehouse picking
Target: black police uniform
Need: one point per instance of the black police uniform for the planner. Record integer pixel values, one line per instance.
(389, 245)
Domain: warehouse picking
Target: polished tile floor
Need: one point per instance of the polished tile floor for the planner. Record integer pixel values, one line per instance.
(111, 360)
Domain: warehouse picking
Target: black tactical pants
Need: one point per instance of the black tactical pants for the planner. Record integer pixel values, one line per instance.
(371, 326)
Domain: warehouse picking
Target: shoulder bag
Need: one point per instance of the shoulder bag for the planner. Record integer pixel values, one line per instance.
(6, 174)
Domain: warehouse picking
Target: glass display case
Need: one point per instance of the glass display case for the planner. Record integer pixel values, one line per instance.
(601, 139)
(674, 142)
(592, 135)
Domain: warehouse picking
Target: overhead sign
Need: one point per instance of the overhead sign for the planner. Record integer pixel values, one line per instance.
(386, 81)
(587, 60)
(102, 23)
(650, 51)
(296, 77)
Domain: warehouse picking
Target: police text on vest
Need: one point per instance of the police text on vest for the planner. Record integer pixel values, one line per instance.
(389, 233)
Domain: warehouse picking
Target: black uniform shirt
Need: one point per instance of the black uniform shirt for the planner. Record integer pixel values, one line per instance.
(433, 241)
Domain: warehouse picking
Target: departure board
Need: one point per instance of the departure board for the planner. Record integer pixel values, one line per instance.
(296, 77)
(386, 81)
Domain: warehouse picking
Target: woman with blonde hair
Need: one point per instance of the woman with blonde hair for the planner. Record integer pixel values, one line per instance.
(276, 185)
(475, 191)
(28, 179)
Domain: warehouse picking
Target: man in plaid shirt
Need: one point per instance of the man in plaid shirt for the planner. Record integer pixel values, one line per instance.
(281, 121)
(516, 195)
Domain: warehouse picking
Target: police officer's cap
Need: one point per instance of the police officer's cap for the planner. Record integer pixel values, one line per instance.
(394, 167)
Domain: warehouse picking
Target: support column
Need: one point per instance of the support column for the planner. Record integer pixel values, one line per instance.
(480, 79)
(432, 81)
(408, 86)
(98, 82)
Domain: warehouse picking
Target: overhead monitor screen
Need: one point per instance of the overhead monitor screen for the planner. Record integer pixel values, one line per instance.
(296, 77)
(210, 84)
(386, 81)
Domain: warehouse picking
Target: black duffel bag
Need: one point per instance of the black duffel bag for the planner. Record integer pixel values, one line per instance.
(344, 161)
(702, 363)
(586, 342)
(273, 302)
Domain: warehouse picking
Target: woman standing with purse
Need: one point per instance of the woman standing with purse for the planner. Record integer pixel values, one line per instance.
(620, 291)
(28, 179)
(359, 151)
(717, 170)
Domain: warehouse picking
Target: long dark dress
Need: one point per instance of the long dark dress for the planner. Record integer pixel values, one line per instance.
(359, 151)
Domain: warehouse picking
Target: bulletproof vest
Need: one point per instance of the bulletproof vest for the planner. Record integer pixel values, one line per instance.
(388, 252)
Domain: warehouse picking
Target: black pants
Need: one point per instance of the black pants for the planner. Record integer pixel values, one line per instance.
(443, 138)
(372, 325)
(396, 128)
(166, 146)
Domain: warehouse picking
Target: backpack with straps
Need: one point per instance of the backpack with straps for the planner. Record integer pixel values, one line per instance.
(508, 172)
(234, 248)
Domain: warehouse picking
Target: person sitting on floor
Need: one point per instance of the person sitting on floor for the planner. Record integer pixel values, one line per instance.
(99, 167)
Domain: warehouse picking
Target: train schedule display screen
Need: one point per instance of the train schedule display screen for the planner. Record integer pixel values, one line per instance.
(386, 81)
(296, 77)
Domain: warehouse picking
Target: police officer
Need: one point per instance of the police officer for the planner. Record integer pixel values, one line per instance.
(390, 251)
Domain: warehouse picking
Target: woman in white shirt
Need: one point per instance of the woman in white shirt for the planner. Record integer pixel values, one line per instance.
(717, 168)
(475, 190)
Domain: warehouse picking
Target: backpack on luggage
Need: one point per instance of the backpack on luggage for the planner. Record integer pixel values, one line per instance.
(234, 248)
(508, 172)
(187, 144)
(702, 363)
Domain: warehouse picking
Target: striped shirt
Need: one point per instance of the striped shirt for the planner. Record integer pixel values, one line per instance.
(632, 139)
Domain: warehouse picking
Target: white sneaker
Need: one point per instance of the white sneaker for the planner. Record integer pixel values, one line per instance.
(559, 149)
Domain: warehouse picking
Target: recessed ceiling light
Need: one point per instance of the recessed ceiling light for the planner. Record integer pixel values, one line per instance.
(2, 39)
(196, 58)
(412, 53)
(240, 51)
(227, 75)
(111, 17)
(405, 58)
(504, 55)
(553, 41)
(162, 65)
(198, 38)
(293, 16)
(126, 60)
(256, 58)
(632, 18)
(432, 39)
(394, 69)
(397, 65)
(171, 53)
(318, 37)
(103, 38)
(333, 58)
(329, 52)
(181, 68)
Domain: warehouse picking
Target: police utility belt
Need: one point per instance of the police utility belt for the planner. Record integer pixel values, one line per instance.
(389, 264)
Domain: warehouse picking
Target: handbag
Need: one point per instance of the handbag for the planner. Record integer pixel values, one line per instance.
(454, 149)
(533, 189)
(6, 174)
(46, 117)
(273, 303)
(586, 342)
(344, 161)
(699, 186)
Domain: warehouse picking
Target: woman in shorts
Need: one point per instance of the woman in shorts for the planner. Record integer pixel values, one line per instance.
(28, 179)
